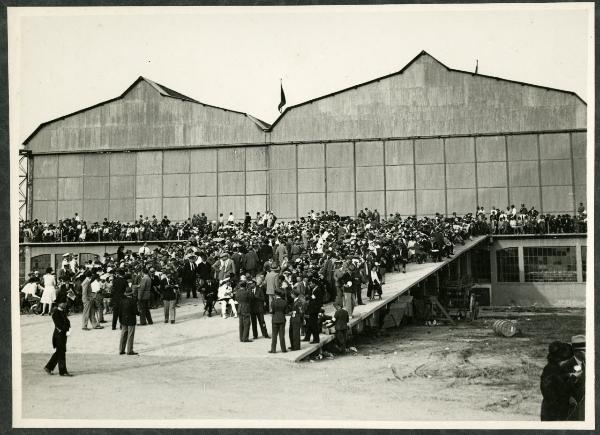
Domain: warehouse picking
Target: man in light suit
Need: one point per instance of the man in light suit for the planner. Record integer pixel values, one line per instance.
(87, 297)
(224, 267)
(272, 284)
(143, 296)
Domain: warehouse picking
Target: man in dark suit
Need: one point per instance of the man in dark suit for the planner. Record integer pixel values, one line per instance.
(296, 318)
(258, 308)
(315, 302)
(244, 299)
(278, 323)
(188, 277)
(59, 341)
(128, 321)
(118, 290)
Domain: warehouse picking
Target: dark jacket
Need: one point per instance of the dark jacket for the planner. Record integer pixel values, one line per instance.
(145, 290)
(555, 392)
(341, 319)
(61, 326)
(128, 311)
(204, 271)
(244, 298)
(188, 274)
(251, 260)
(265, 253)
(167, 291)
(118, 290)
(258, 301)
(279, 306)
(314, 305)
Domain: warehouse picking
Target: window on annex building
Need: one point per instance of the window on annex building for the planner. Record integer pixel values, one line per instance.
(507, 262)
(583, 260)
(550, 264)
(40, 263)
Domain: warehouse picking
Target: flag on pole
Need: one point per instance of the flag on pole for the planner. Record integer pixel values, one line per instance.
(282, 102)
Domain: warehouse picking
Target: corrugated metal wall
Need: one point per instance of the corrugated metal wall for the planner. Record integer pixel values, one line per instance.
(428, 99)
(378, 146)
(411, 176)
(145, 119)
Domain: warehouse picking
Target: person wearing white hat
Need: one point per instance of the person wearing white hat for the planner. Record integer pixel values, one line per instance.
(225, 296)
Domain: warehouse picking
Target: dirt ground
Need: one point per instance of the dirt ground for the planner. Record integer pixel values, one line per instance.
(462, 372)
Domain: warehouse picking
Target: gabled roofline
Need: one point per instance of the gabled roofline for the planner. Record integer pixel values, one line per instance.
(163, 91)
(422, 53)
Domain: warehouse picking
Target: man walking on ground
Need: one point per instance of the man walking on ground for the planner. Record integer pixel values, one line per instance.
(144, 294)
(128, 320)
(59, 341)
(278, 323)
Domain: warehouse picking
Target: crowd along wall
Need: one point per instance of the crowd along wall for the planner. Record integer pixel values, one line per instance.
(419, 176)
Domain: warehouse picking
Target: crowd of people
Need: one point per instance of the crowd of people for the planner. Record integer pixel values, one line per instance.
(288, 269)
(509, 221)
(245, 269)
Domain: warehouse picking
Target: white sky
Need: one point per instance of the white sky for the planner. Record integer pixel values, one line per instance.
(64, 59)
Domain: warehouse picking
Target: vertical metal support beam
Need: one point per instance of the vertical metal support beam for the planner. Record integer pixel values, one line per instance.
(445, 178)
(108, 201)
(217, 187)
(507, 171)
(325, 169)
(521, 264)
(539, 159)
(268, 155)
(245, 183)
(384, 183)
(27, 261)
(415, 176)
(578, 261)
(354, 167)
(29, 191)
(476, 175)
(572, 174)
(190, 184)
(297, 187)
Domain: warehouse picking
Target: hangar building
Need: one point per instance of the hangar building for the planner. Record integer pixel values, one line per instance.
(425, 139)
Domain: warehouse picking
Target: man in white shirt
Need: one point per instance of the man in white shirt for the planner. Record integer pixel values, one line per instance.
(144, 250)
(230, 219)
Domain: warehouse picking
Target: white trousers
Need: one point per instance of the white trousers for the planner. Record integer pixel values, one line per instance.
(224, 303)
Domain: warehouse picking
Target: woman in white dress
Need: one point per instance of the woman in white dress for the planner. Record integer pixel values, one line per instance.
(49, 293)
